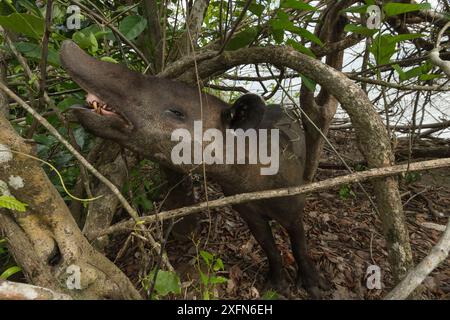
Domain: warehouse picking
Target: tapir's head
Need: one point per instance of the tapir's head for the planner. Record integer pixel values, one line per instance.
(141, 112)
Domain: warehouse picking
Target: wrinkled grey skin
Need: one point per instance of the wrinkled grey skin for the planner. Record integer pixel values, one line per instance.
(154, 107)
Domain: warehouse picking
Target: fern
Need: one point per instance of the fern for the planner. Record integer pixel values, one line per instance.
(12, 204)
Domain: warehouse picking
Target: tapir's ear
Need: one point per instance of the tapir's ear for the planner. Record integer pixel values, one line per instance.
(246, 112)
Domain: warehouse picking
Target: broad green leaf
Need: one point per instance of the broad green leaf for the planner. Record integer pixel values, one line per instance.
(299, 47)
(34, 51)
(132, 26)
(393, 9)
(360, 29)
(383, 48)
(257, 9)
(9, 272)
(242, 39)
(281, 22)
(167, 282)
(296, 4)
(24, 23)
(12, 203)
(86, 40)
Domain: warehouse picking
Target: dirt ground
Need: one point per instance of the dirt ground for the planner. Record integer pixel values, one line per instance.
(344, 236)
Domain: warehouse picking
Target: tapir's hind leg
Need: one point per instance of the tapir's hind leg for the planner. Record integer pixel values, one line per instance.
(260, 228)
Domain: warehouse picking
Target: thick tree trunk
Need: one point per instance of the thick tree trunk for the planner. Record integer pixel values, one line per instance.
(45, 240)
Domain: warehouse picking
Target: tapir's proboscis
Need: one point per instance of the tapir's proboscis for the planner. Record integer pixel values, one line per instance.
(140, 113)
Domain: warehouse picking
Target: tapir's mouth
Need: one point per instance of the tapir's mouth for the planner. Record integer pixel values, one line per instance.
(100, 107)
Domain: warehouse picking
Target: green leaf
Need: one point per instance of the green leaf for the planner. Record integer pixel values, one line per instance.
(299, 47)
(393, 9)
(132, 26)
(282, 21)
(24, 23)
(31, 6)
(296, 4)
(109, 59)
(354, 28)
(383, 48)
(218, 265)
(34, 51)
(12, 203)
(204, 278)
(217, 280)
(406, 36)
(270, 295)
(9, 272)
(86, 40)
(257, 9)
(167, 282)
(306, 34)
(432, 76)
(242, 39)
(310, 84)
(207, 257)
(357, 9)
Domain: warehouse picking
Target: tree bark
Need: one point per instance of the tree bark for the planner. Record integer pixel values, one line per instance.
(45, 240)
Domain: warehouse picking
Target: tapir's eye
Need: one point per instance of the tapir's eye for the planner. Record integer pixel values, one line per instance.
(176, 113)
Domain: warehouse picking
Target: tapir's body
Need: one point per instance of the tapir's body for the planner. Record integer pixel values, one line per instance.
(141, 112)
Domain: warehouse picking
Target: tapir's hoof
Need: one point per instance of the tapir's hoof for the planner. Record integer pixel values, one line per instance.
(315, 288)
(280, 286)
(315, 293)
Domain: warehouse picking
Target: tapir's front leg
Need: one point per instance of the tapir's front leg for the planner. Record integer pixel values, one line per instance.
(180, 193)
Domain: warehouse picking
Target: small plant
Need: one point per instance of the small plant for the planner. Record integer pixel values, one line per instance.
(345, 192)
(166, 282)
(209, 279)
(411, 177)
(270, 295)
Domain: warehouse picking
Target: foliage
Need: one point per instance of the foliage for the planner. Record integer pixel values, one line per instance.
(345, 192)
(12, 203)
(167, 282)
(209, 266)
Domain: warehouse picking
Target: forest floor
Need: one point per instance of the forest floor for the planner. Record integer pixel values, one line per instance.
(343, 232)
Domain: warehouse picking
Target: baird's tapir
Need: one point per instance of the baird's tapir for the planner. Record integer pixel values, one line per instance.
(141, 113)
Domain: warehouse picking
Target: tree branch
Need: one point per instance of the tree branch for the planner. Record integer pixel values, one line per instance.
(284, 192)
